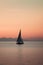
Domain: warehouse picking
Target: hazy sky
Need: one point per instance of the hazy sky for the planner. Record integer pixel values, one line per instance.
(26, 15)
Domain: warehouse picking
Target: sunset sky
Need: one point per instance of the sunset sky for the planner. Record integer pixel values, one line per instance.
(26, 15)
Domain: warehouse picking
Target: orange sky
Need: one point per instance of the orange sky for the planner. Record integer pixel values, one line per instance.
(28, 19)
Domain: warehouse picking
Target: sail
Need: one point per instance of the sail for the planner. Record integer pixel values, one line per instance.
(19, 39)
(19, 36)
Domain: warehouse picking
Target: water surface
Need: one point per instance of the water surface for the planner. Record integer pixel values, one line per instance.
(30, 53)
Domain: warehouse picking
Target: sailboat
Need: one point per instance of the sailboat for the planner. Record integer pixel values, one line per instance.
(19, 39)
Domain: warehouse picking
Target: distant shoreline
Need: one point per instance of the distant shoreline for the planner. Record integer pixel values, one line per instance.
(14, 39)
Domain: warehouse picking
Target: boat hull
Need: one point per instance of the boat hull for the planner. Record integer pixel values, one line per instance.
(19, 43)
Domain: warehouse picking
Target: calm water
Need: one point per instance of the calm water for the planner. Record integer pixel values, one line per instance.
(30, 53)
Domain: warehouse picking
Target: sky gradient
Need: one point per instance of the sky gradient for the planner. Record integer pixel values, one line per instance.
(26, 15)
